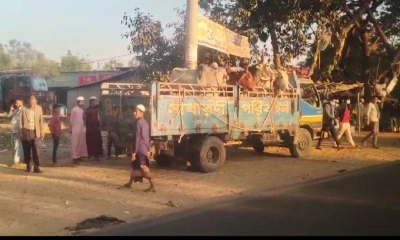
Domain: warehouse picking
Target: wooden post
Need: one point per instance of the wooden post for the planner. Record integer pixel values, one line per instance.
(358, 113)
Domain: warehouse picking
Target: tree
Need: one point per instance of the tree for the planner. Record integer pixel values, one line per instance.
(280, 21)
(72, 63)
(44, 67)
(345, 40)
(22, 55)
(6, 60)
(151, 47)
(133, 62)
(112, 65)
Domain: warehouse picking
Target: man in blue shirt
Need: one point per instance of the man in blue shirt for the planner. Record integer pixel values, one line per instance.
(141, 149)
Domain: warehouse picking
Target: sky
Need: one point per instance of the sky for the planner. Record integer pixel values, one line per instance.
(91, 28)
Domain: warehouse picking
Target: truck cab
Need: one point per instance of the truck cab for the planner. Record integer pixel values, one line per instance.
(23, 86)
(310, 107)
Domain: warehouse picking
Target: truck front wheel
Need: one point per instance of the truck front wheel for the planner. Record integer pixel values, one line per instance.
(212, 155)
(302, 144)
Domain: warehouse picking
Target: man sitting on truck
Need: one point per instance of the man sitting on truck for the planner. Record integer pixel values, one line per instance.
(141, 148)
(329, 121)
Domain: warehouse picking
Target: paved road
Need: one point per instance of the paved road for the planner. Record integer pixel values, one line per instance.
(365, 202)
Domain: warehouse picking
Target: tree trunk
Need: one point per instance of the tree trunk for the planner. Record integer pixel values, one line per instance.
(366, 66)
(341, 34)
(389, 48)
(388, 74)
(345, 62)
(275, 46)
(316, 55)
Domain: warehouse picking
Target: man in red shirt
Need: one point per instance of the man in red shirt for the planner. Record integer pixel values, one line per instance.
(344, 124)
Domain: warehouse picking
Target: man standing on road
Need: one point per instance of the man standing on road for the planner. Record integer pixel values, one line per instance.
(16, 144)
(360, 106)
(393, 116)
(55, 130)
(140, 155)
(78, 137)
(373, 115)
(329, 121)
(94, 140)
(32, 130)
(344, 122)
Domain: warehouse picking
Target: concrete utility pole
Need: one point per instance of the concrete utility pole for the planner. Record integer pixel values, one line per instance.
(192, 7)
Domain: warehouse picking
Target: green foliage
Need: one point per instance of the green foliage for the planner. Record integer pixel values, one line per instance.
(363, 34)
(73, 63)
(6, 61)
(147, 41)
(112, 65)
(21, 55)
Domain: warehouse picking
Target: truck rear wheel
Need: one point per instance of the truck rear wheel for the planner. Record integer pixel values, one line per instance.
(256, 143)
(259, 148)
(212, 155)
(303, 145)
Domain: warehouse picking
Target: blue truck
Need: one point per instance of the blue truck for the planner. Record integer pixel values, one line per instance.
(196, 123)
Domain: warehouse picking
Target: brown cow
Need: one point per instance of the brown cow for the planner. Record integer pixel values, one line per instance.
(205, 75)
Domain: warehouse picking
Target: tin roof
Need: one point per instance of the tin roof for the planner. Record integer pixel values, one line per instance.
(71, 79)
(114, 77)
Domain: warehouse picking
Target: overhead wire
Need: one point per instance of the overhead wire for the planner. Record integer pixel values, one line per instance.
(82, 63)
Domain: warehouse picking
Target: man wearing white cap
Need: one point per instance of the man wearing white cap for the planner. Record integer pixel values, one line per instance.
(141, 148)
(77, 126)
(94, 140)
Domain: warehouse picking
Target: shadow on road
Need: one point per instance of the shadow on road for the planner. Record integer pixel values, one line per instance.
(364, 202)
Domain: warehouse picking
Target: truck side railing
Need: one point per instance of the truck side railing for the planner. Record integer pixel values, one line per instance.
(125, 89)
(265, 92)
(179, 89)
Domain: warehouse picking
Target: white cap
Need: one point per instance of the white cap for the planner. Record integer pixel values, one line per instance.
(80, 98)
(93, 98)
(141, 108)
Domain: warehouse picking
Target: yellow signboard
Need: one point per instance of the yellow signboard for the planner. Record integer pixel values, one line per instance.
(216, 36)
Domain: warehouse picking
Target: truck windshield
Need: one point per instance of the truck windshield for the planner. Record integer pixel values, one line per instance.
(309, 94)
(39, 84)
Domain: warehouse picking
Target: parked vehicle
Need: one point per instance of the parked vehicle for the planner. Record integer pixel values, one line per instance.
(14, 86)
(197, 122)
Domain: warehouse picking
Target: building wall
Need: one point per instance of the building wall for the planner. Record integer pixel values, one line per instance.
(94, 90)
(86, 92)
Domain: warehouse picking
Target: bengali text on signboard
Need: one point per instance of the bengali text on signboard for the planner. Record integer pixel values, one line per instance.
(216, 36)
(83, 80)
(104, 76)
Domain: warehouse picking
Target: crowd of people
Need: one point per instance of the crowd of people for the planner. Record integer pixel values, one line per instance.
(86, 139)
(340, 116)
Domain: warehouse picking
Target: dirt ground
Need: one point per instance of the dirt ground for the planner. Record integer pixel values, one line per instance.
(45, 204)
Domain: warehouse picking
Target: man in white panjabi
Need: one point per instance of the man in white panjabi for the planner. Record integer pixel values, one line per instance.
(77, 130)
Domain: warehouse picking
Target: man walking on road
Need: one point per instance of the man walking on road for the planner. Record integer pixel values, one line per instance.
(94, 140)
(344, 124)
(78, 137)
(329, 122)
(141, 148)
(373, 115)
(32, 131)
